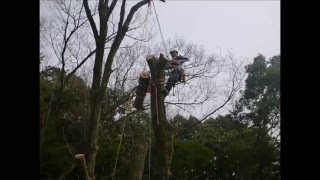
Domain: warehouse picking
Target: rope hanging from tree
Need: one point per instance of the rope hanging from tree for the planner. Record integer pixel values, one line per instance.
(163, 42)
(121, 137)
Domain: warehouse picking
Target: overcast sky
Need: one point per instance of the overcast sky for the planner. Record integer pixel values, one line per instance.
(246, 27)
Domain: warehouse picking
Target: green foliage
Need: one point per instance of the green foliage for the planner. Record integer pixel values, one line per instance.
(234, 150)
(62, 123)
(191, 160)
(106, 159)
(260, 103)
(185, 126)
(135, 136)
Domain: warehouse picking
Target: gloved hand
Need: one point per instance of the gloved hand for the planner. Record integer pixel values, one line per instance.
(174, 62)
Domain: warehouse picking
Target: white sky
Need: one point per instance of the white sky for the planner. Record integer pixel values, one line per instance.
(245, 27)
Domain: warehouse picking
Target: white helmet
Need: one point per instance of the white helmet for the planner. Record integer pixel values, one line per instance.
(174, 50)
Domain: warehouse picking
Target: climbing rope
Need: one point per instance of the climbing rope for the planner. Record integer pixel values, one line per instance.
(121, 137)
(163, 43)
(115, 166)
(144, 31)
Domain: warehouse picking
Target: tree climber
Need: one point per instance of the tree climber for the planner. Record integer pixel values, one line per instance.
(177, 73)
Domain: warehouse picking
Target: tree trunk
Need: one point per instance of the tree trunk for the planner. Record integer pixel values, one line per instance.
(163, 130)
(96, 99)
(140, 149)
(142, 90)
(99, 83)
(94, 137)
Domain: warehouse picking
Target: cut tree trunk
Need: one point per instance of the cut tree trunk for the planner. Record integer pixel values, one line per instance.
(163, 130)
(142, 90)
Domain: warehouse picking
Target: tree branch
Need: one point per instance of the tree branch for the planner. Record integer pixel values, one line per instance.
(118, 39)
(110, 9)
(132, 11)
(122, 12)
(136, 38)
(82, 62)
(233, 90)
(90, 18)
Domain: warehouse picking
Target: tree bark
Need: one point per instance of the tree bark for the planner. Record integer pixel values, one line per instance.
(96, 99)
(140, 149)
(163, 130)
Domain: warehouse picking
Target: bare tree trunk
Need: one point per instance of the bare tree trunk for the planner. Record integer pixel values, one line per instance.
(100, 80)
(96, 99)
(163, 130)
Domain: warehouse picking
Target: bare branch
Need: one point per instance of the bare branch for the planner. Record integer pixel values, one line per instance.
(136, 38)
(113, 4)
(221, 106)
(180, 107)
(53, 47)
(90, 18)
(122, 11)
(82, 62)
(132, 11)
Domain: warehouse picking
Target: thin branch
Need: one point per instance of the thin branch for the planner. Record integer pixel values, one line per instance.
(182, 108)
(221, 106)
(54, 49)
(186, 103)
(136, 38)
(82, 62)
(80, 14)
